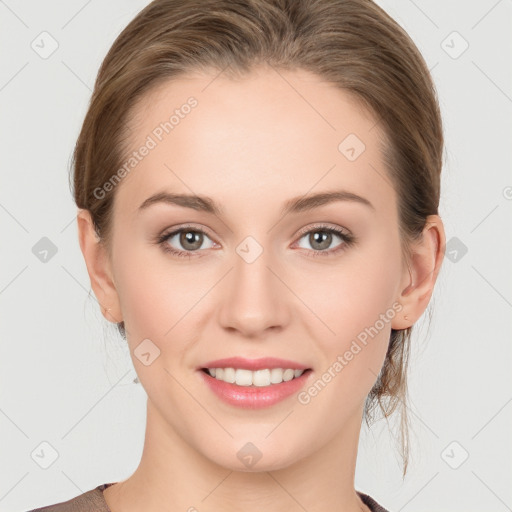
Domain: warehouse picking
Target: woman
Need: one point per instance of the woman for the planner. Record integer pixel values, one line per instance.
(258, 186)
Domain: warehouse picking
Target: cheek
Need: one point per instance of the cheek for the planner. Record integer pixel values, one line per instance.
(156, 306)
(161, 301)
(352, 357)
(353, 294)
(155, 293)
(356, 303)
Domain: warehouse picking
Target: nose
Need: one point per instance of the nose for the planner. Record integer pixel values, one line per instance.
(255, 299)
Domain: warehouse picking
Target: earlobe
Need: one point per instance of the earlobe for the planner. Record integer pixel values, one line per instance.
(423, 269)
(98, 267)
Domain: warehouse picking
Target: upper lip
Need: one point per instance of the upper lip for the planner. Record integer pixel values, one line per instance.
(254, 364)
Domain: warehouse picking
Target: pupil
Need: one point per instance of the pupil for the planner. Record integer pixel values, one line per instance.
(322, 237)
(188, 238)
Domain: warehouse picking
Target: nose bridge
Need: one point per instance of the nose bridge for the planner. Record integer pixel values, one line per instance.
(254, 299)
(251, 268)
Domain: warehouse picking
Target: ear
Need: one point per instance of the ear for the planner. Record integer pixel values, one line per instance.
(420, 277)
(98, 267)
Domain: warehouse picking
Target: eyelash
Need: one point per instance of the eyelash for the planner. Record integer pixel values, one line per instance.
(348, 240)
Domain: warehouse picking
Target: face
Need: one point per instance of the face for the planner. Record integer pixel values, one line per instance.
(256, 269)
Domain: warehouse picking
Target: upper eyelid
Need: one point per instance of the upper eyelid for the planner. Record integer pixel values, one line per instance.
(174, 231)
(326, 226)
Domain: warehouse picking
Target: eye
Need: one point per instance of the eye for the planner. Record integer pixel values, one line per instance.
(189, 238)
(321, 237)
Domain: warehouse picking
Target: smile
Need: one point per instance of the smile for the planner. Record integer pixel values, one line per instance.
(258, 378)
(254, 383)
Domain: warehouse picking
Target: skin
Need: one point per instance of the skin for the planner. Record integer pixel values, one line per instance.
(251, 144)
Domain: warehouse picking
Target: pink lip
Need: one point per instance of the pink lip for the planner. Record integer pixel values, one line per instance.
(254, 364)
(254, 397)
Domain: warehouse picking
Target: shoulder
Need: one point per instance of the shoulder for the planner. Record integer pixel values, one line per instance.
(371, 503)
(90, 501)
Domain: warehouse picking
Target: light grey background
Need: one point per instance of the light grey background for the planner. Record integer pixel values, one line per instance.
(66, 376)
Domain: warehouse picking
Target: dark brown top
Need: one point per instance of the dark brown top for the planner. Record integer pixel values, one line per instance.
(93, 501)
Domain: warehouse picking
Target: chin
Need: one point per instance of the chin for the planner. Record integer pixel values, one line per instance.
(255, 457)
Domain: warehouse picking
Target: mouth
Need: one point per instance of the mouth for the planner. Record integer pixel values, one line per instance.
(256, 383)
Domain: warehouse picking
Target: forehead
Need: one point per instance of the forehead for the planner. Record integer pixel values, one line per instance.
(266, 136)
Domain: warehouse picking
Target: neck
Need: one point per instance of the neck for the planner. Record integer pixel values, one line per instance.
(172, 476)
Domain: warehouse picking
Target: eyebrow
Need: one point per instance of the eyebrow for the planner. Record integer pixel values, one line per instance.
(294, 205)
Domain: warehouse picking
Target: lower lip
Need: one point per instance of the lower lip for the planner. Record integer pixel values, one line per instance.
(254, 397)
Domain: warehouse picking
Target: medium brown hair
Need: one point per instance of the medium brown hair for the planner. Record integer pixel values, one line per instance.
(353, 44)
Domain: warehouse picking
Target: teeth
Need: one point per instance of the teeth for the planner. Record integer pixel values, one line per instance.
(242, 377)
(229, 375)
(261, 378)
(258, 378)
